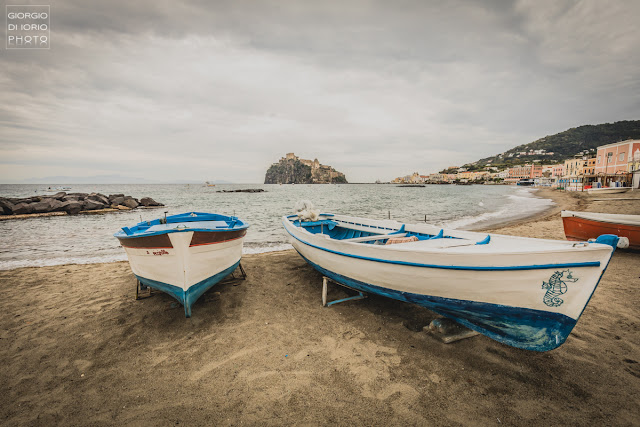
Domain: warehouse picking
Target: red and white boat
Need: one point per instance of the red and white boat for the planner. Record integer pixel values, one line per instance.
(590, 225)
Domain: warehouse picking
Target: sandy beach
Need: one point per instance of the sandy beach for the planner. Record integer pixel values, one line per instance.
(76, 348)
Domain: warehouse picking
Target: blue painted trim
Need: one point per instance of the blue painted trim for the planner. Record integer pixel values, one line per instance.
(519, 327)
(484, 241)
(190, 296)
(140, 229)
(455, 267)
(356, 297)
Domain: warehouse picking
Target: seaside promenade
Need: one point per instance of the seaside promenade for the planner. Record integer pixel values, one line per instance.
(77, 349)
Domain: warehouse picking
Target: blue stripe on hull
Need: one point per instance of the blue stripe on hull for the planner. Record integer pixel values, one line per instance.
(518, 327)
(446, 267)
(190, 296)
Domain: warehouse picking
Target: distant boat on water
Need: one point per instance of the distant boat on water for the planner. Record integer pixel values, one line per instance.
(184, 255)
(208, 184)
(518, 291)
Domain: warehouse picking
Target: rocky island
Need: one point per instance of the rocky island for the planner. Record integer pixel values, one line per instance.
(293, 170)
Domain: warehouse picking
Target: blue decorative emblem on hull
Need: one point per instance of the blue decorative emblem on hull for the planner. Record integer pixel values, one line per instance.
(557, 286)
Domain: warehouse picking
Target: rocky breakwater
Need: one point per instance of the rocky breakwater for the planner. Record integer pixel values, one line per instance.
(70, 204)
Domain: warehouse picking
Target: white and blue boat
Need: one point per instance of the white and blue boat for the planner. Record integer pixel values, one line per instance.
(527, 293)
(184, 255)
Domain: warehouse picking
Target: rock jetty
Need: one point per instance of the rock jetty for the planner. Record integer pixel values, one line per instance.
(293, 170)
(71, 204)
(248, 190)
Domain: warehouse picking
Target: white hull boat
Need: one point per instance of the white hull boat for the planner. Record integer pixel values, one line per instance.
(527, 293)
(608, 190)
(184, 255)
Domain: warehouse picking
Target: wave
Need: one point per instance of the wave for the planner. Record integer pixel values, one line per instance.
(522, 204)
(22, 263)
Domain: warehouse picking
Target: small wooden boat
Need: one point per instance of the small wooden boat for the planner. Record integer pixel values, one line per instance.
(589, 225)
(527, 293)
(608, 190)
(184, 255)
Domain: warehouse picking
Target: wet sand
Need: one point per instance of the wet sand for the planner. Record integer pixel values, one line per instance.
(77, 349)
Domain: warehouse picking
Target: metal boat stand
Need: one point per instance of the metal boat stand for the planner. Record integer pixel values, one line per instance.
(232, 277)
(325, 280)
(448, 331)
(142, 290)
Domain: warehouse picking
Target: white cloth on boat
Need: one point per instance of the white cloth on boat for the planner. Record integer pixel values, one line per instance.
(305, 211)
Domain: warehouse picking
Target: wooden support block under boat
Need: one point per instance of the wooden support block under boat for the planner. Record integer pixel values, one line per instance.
(448, 331)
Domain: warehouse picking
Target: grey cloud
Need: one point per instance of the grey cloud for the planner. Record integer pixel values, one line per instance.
(428, 84)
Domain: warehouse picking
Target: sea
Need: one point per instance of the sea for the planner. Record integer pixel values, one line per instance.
(86, 239)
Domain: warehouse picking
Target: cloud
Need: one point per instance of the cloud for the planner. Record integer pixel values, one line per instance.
(202, 90)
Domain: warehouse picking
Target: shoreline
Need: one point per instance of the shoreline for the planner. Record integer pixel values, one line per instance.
(486, 225)
(543, 193)
(78, 349)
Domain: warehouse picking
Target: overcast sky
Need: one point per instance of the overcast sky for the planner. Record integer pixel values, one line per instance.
(208, 90)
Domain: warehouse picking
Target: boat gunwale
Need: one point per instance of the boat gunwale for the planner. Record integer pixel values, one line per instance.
(181, 230)
(451, 267)
(576, 214)
(238, 225)
(396, 248)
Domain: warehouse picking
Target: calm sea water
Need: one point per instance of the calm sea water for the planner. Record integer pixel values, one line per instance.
(86, 239)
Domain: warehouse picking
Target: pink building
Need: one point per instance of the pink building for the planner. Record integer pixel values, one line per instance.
(613, 158)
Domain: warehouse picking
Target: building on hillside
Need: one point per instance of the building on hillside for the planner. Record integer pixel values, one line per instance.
(634, 168)
(526, 171)
(613, 158)
(439, 177)
(481, 176)
(590, 167)
(612, 162)
(415, 178)
(573, 174)
(551, 174)
(466, 176)
(558, 170)
(634, 162)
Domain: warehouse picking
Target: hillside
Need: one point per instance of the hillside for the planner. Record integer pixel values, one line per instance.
(565, 144)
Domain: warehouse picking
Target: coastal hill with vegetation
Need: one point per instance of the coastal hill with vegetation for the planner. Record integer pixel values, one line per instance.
(293, 170)
(556, 148)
